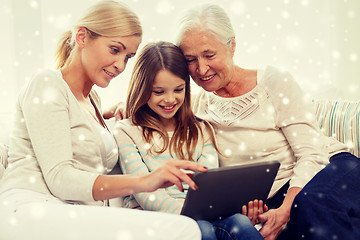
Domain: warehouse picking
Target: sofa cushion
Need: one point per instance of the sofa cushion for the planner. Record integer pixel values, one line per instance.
(340, 119)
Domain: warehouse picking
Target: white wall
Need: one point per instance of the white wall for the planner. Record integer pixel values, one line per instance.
(317, 41)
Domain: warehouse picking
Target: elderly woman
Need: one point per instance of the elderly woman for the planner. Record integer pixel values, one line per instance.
(263, 115)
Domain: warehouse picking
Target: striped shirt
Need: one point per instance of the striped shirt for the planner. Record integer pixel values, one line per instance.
(135, 158)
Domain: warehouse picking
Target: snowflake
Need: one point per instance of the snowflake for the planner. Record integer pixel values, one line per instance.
(49, 95)
(34, 4)
(36, 100)
(150, 232)
(32, 179)
(285, 101)
(81, 137)
(285, 14)
(212, 159)
(165, 7)
(238, 8)
(72, 214)
(242, 146)
(37, 211)
(100, 168)
(228, 152)
(13, 221)
(152, 197)
(336, 54)
(235, 229)
(353, 57)
(305, 3)
(124, 235)
(351, 14)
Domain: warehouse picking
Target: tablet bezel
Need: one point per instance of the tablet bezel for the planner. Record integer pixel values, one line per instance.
(219, 194)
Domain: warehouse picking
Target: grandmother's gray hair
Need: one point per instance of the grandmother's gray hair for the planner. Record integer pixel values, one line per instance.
(208, 18)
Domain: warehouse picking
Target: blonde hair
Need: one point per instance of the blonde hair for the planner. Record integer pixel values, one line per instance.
(208, 18)
(106, 18)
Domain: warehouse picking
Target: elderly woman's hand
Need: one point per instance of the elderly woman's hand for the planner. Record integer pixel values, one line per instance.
(274, 221)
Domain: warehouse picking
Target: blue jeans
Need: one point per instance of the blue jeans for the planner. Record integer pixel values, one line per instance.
(237, 226)
(328, 207)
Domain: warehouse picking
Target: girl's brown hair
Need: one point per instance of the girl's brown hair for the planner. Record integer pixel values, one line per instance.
(153, 58)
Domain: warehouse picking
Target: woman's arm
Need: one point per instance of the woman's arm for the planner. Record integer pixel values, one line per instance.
(295, 118)
(48, 108)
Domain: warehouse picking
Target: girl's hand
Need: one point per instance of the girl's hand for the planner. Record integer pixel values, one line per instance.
(254, 209)
(170, 174)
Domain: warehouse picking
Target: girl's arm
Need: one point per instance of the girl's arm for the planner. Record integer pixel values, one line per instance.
(135, 163)
(112, 186)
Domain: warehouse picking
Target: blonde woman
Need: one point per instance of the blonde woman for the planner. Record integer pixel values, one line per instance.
(61, 148)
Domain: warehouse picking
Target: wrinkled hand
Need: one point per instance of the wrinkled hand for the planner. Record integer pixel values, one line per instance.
(274, 221)
(170, 174)
(254, 209)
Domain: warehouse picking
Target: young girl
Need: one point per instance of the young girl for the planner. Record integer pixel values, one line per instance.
(160, 127)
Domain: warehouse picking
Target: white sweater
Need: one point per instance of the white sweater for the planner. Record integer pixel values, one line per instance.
(274, 121)
(56, 147)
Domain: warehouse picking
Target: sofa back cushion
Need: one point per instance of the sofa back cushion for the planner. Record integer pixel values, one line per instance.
(340, 119)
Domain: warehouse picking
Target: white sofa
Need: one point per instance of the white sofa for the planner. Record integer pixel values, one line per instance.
(337, 118)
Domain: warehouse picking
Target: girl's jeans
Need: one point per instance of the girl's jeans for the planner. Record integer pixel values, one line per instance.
(237, 226)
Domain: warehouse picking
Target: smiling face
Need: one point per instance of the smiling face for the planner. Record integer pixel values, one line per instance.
(103, 58)
(210, 62)
(168, 93)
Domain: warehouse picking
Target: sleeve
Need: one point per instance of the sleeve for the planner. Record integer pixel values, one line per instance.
(46, 116)
(296, 119)
(209, 156)
(198, 102)
(132, 162)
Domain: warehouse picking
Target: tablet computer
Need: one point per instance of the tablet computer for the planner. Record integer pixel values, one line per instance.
(223, 191)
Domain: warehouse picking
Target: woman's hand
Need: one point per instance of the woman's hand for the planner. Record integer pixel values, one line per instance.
(254, 209)
(275, 221)
(171, 174)
(116, 111)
